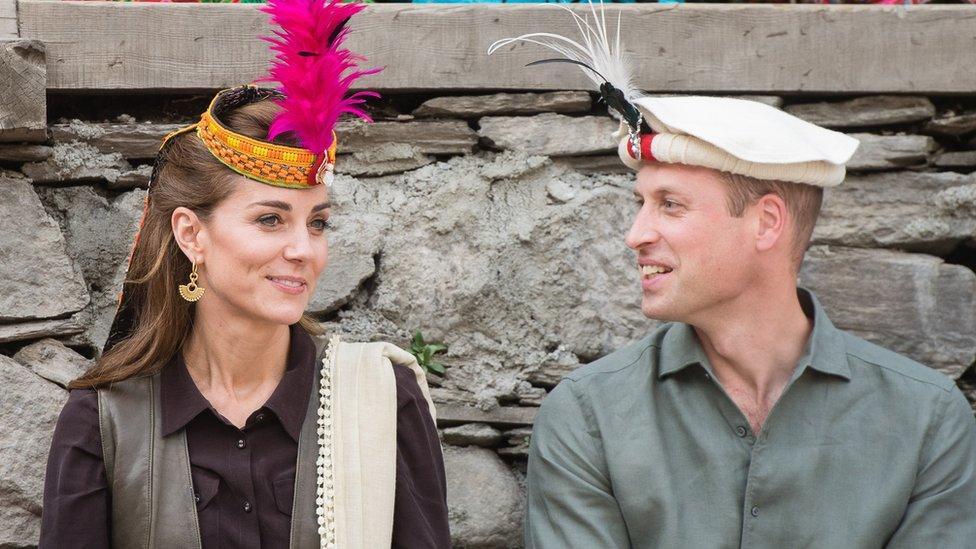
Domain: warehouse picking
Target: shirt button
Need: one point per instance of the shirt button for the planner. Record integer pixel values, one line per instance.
(241, 444)
(247, 507)
(259, 418)
(755, 511)
(741, 431)
(196, 497)
(708, 375)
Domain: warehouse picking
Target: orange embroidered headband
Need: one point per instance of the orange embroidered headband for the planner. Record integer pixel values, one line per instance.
(270, 163)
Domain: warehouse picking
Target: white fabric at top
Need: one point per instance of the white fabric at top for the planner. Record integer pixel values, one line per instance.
(748, 130)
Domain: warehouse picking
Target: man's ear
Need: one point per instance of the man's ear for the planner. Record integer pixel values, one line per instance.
(771, 220)
(190, 234)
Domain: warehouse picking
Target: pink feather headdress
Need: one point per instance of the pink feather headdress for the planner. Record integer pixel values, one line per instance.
(313, 70)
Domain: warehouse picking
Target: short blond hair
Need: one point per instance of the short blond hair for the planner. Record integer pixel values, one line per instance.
(802, 201)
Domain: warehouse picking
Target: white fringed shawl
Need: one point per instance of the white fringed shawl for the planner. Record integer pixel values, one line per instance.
(357, 442)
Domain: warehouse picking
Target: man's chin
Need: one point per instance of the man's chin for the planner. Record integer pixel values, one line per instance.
(656, 309)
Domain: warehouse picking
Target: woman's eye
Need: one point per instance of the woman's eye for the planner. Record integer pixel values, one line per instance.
(269, 220)
(321, 224)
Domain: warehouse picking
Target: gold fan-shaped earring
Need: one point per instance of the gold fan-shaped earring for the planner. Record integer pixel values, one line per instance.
(191, 292)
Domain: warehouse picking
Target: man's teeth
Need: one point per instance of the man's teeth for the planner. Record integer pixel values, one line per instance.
(291, 283)
(648, 270)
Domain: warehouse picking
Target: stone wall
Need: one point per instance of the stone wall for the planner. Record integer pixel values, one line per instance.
(494, 224)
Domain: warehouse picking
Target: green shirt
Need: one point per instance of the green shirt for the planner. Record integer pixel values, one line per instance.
(643, 448)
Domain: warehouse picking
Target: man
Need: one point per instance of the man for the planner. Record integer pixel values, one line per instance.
(748, 420)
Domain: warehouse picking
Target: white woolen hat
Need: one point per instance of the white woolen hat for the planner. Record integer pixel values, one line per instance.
(737, 136)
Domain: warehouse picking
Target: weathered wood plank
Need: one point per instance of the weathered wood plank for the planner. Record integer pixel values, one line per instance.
(677, 48)
(8, 20)
(23, 78)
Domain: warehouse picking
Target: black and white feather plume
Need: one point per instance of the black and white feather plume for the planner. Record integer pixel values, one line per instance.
(599, 59)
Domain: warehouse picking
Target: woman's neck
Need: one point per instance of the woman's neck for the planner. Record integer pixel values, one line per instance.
(235, 365)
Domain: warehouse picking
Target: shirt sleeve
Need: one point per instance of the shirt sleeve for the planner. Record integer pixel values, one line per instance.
(420, 502)
(942, 509)
(76, 496)
(570, 499)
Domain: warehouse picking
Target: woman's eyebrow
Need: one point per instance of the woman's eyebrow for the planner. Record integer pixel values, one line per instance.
(278, 204)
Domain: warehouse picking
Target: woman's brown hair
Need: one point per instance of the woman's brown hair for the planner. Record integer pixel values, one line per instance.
(191, 177)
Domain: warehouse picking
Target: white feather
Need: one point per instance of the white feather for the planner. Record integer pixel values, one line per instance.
(593, 48)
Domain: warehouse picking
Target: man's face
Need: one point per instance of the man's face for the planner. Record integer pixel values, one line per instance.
(693, 256)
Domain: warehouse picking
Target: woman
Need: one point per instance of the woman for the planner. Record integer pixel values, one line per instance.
(213, 418)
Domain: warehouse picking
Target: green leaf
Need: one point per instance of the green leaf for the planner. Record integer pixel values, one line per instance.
(437, 348)
(437, 368)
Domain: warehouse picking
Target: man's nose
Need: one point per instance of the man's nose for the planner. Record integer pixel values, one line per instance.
(643, 231)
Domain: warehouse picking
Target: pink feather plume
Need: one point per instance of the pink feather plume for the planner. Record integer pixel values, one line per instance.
(313, 70)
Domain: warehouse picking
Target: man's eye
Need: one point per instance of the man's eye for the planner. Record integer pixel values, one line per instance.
(670, 204)
(270, 220)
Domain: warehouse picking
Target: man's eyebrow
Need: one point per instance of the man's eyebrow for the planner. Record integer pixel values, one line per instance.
(278, 204)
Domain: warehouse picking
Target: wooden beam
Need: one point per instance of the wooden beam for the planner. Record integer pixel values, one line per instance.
(8, 20)
(23, 111)
(675, 48)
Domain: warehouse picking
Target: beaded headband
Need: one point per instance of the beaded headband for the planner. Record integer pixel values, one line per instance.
(270, 163)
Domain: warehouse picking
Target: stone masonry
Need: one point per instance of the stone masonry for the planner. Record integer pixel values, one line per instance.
(492, 224)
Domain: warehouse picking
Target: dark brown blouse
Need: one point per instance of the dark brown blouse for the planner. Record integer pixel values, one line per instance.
(243, 479)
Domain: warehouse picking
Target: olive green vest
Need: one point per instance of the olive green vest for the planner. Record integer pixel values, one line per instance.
(149, 475)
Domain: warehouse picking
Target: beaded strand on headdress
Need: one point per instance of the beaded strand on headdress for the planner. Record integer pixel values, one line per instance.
(325, 491)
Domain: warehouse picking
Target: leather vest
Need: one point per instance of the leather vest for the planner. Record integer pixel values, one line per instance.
(149, 475)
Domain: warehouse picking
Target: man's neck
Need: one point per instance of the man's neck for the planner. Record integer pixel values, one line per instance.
(753, 345)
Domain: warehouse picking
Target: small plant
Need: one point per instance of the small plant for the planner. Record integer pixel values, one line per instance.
(424, 352)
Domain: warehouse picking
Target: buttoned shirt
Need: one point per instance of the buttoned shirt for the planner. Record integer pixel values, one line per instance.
(644, 448)
(243, 479)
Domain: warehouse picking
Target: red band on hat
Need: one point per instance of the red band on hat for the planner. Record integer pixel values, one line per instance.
(645, 147)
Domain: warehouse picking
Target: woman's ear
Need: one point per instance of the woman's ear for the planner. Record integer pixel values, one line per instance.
(190, 234)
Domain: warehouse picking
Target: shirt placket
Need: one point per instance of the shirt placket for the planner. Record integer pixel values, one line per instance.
(756, 445)
(240, 460)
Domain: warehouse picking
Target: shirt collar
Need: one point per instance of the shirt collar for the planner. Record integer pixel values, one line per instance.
(825, 350)
(181, 401)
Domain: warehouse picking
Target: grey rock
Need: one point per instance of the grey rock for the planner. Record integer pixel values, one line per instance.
(518, 443)
(595, 164)
(24, 152)
(550, 134)
(37, 278)
(528, 395)
(499, 416)
(23, 331)
(392, 158)
(553, 368)
(913, 304)
(953, 125)
(426, 136)
(484, 500)
(473, 434)
(888, 152)
(23, 79)
(771, 100)
(136, 178)
(968, 387)
(353, 243)
(76, 163)
(475, 106)
(51, 360)
(100, 232)
(961, 200)
(29, 408)
(500, 272)
(131, 140)
(956, 159)
(450, 395)
(896, 210)
(878, 110)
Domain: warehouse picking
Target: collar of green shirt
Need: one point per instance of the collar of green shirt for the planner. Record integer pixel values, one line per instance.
(825, 351)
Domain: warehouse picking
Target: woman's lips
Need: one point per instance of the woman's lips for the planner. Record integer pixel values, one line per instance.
(288, 285)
